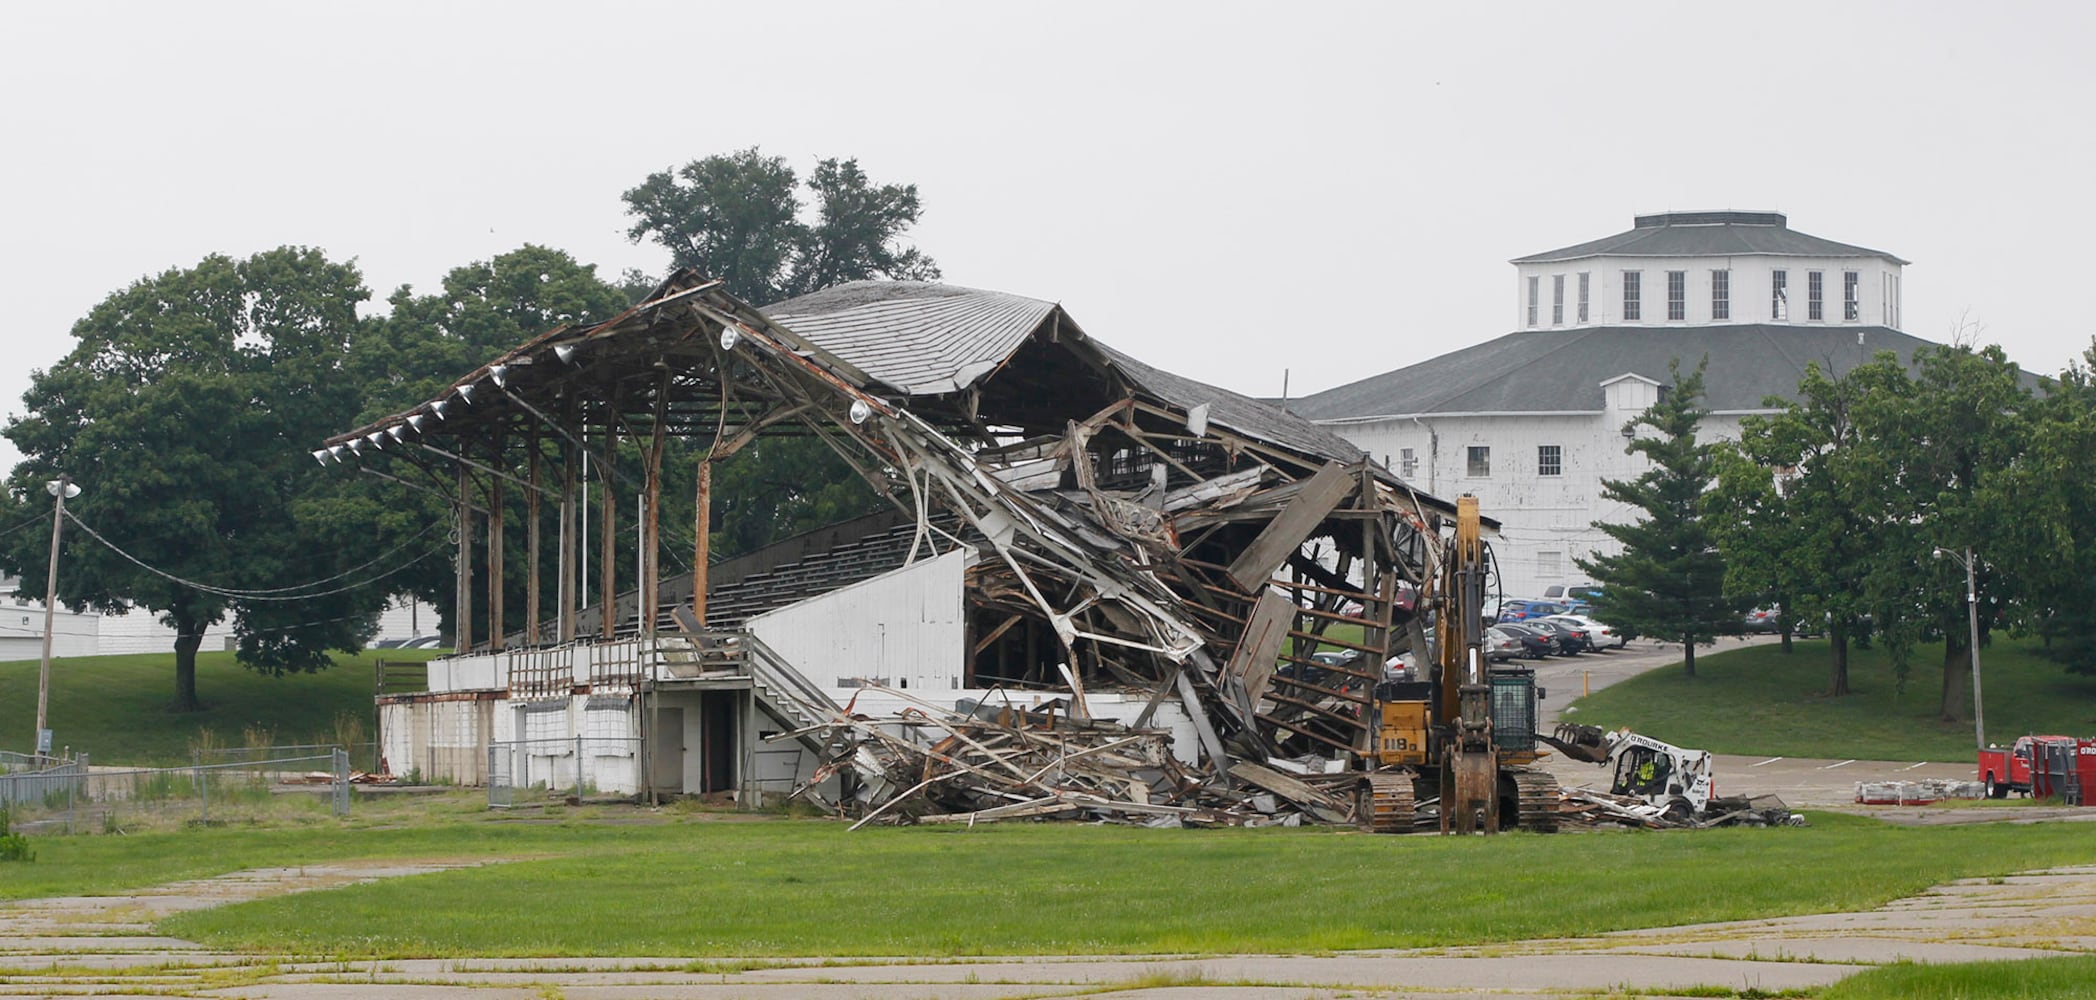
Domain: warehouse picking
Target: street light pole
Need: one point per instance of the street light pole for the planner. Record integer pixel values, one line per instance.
(60, 489)
(1972, 623)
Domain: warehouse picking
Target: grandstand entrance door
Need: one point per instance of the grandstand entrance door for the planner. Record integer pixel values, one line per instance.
(666, 751)
(717, 711)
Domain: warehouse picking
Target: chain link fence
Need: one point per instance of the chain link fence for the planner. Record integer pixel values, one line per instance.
(566, 767)
(69, 795)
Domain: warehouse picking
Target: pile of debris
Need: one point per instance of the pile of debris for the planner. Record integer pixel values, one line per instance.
(1004, 763)
(1916, 793)
(1586, 808)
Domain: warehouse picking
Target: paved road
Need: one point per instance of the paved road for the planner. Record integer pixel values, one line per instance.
(1801, 782)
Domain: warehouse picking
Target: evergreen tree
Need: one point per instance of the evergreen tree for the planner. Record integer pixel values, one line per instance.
(1668, 581)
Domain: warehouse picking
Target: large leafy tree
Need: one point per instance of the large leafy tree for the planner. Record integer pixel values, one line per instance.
(426, 340)
(185, 412)
(2047, 539)
(1668, 580)
(739, 217)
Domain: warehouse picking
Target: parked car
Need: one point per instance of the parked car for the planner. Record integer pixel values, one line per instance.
(1569, 641)
(1762, 621)
(1501, 645)
(1599, 636)
(1535, 643)
(1521, 611)
(1580, 633)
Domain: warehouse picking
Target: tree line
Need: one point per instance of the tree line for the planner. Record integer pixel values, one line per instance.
(189, 404)
(1852, 505)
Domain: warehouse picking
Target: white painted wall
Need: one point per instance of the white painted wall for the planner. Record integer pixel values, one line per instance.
(1749, 292)
(1545, 521)
(905, 629)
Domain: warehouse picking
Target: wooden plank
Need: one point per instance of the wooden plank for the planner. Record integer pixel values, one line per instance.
(1285, 533)
(1252, 662)
(1319, 804)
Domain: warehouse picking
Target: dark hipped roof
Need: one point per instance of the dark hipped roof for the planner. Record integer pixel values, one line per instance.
(1555, 371)
(1708, 234)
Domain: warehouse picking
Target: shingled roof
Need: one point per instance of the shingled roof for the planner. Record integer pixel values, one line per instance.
(1708, 234)
(1561, 371)
(924, 338)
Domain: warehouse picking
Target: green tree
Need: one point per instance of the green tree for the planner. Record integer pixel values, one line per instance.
(185, 412)
(1668, 580)
(739, 217)
(2044, 535)
(479, 311)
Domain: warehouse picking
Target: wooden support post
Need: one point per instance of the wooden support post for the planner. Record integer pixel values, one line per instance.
(608, 533)
(570, 541)
(650, 599)
(702, 546)
(495, 557)
(462, 596)
(531, 549)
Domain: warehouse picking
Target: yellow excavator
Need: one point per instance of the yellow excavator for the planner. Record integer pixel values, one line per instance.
(1463, 737)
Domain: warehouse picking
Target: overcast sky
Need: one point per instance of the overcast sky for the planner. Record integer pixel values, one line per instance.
(1225, 190)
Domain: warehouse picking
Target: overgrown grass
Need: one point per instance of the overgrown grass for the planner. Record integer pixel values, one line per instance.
(2053, 978)
(781, 887)
(116, 708)
(1756, 700)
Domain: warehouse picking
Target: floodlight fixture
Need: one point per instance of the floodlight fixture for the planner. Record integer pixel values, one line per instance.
(320, 455)
(438, 408)
(335, 452)
(356, 446)
(860, 411)
(730, 336)
(565, 352)
(416, 420)
(398, 431)
(68, 487)
(466, 393)
(499, 374)
(377, 439)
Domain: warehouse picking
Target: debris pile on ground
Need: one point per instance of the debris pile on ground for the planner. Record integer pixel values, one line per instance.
(1916, 793)
(1587, 808)
(1003, 764)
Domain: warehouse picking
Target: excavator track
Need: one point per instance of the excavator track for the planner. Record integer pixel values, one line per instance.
(1386, 804)
(1536, 800)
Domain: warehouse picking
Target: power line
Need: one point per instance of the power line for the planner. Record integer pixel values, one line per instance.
(252, 595)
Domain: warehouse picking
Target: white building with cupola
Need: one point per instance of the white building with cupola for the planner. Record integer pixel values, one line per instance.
(1534, 420)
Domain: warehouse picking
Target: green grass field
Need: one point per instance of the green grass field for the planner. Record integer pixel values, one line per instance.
(2051, 978)
(115, 708)
(625, 882)
(1756, 700)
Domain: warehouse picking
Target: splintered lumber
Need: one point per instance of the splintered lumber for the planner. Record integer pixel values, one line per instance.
(1323, 807)
(1284, 535)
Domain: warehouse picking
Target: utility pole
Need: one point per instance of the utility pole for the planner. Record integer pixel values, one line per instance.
(60, 489)
(1972, 621)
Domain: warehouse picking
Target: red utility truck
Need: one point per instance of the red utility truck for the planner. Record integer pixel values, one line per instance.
(2043, 766)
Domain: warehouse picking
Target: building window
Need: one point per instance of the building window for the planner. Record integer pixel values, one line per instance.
(1557, 300)
(1583, 276)
(1851, 299)
(1815, 296)
(1892, 301)
(1550, 565)
(1480, 461)
(1779, 296)
(1407, 463)
(1720, 295)
(1677, 295)
(1550, 460)
(1535, 286)
(1633, 297)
